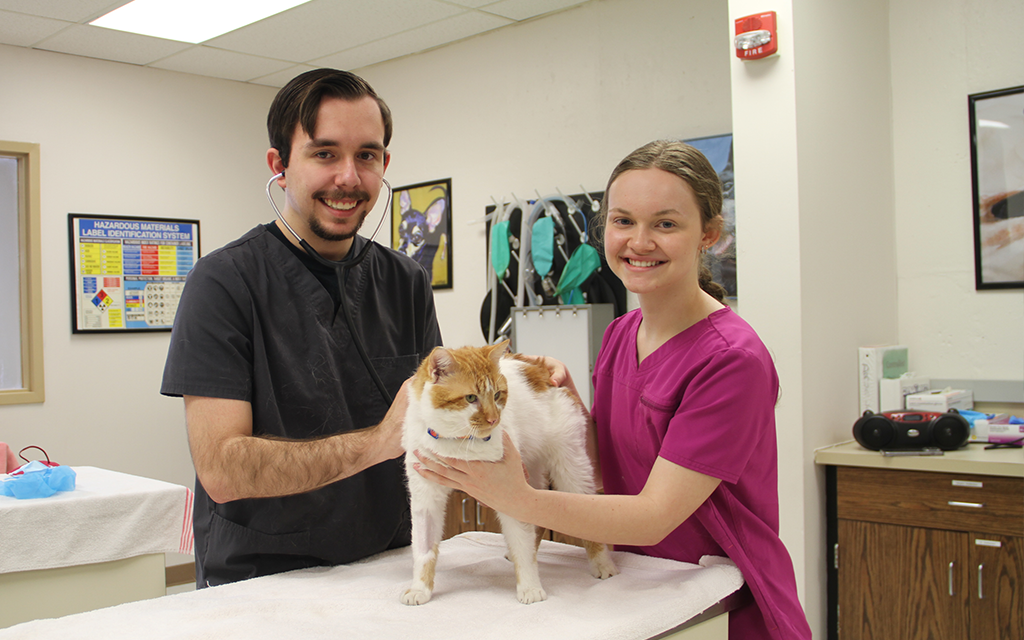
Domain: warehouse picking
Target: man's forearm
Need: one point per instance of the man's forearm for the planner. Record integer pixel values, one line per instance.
(260, 467)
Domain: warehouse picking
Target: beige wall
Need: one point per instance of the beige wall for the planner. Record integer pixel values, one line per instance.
(122, 140)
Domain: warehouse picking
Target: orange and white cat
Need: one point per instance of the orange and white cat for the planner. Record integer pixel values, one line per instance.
(460, 402)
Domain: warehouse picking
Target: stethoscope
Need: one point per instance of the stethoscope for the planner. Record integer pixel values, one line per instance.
(341, 269)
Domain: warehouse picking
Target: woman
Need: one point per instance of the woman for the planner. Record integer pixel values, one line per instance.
(684, 404)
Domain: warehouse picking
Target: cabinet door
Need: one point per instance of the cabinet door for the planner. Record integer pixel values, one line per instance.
(485, 518)
(466, 514)
(901, 583)
(459, 516)
(996, 576)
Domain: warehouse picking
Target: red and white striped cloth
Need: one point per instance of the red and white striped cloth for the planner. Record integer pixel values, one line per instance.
(109, 516)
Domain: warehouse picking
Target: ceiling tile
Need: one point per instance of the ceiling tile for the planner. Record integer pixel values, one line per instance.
(216, 63)
(526, 9)
(72, 11)
(322, 27)
(24, 31)
(413, 41)
(347, 34)
(472, 4)
(281, 78)
(108, 44)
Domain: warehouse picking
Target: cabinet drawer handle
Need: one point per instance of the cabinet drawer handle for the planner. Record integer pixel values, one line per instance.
(479, 516)
(981, 593)
(465, 520)
(951, 578)
(973, 505)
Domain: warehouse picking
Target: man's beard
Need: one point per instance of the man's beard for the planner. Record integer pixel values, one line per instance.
(322, 233)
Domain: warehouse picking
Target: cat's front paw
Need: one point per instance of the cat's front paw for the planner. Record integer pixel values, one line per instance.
(413, 596)
(602, 568)
(529, 595)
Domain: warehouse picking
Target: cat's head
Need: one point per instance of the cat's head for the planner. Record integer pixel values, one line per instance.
(463, 390)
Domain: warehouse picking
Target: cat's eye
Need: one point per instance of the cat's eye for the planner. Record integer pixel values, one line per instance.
(471, 398)
(497, 395)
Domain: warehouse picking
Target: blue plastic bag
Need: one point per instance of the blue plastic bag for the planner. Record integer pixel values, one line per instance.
(36, 480)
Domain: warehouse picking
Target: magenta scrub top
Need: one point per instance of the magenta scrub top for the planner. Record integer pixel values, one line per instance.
(705, 400)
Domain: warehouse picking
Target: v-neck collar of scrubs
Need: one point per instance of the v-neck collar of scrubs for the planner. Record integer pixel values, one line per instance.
(681, 340)
(318, 283)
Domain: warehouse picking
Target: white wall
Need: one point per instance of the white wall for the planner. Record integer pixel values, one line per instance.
(953, 331)
(123, 140)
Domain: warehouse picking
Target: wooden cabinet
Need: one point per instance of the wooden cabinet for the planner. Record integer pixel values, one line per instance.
(921, 554)
(466, 514)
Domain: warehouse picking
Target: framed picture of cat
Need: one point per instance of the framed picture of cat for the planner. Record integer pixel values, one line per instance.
(421, 227)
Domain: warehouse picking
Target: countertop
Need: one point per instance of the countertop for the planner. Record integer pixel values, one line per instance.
(971, 458)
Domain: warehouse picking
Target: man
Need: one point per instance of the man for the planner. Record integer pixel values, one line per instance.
(293, 432)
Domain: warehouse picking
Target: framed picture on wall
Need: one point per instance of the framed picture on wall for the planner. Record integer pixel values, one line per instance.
(722, 256)
(997, 163)
(421, 227)
(127, 274)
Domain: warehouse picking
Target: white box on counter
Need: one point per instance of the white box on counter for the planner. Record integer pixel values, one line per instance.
(892, 393)
(997, 432)
(941, 400)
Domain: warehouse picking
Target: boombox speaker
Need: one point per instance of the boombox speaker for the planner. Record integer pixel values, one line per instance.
(912, 430)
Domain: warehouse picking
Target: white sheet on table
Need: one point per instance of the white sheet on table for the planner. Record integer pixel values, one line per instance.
(109, 516)
(474, 598)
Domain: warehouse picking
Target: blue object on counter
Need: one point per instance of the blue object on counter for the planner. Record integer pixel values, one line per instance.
(971, 416)
(36, 480)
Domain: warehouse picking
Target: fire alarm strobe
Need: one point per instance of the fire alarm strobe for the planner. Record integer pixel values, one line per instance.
(756, 36)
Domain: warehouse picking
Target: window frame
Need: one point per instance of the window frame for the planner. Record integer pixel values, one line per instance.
(30, 271)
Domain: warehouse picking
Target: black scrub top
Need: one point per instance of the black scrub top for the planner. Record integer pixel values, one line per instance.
(254, 324)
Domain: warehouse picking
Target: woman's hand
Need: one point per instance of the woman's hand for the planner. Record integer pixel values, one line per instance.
(500, 485)
(557, 371)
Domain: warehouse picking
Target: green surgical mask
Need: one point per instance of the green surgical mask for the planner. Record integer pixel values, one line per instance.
(499, 248)
(583, 262)
(542, 245)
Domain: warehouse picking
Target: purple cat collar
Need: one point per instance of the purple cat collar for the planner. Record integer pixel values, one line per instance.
(433, 434)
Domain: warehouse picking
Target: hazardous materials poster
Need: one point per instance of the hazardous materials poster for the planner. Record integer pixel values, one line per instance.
(128, 273)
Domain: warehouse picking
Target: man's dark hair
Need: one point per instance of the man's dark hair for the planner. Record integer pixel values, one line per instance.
(298, 103)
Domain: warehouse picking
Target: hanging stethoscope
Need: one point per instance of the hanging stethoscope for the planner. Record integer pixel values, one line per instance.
(341, 269)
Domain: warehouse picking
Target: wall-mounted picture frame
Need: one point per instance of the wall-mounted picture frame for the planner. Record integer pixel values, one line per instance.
(127, 273)
(997, 165)
(421, 227)
(721, 257)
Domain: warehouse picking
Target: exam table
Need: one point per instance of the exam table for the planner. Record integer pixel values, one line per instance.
(474, 597)
(100, 545)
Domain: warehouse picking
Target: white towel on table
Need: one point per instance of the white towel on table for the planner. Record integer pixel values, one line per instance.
(109, 516)
(474, 598)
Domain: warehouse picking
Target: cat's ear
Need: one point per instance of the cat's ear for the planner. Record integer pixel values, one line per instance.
(441, 364)
(498, 351)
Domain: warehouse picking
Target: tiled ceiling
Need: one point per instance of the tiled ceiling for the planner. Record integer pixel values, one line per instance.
(344, 34)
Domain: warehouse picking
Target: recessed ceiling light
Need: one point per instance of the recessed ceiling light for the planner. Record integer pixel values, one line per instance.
(192, 21)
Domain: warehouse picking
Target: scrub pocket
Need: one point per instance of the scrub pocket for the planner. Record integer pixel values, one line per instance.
(231, 550)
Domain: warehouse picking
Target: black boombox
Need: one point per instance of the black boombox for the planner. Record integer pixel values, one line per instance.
(912, 430)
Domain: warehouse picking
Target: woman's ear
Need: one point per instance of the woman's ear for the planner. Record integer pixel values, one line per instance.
(712, 232)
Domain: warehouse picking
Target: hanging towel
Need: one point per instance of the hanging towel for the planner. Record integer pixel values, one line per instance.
(7, 460)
